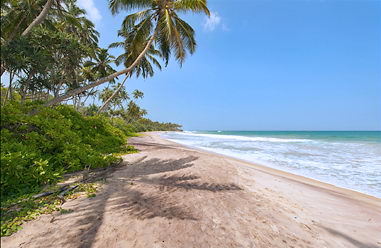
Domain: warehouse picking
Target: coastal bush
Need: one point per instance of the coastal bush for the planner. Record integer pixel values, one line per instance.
(37, 149)
(145, 125)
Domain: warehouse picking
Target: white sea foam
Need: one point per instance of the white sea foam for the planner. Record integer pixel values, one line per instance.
(353, 165)
(235, 137)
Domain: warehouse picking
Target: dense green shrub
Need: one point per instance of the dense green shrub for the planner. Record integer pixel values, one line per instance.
(146, 125)
(38, 149)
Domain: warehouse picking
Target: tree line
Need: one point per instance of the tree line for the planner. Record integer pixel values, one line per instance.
(64, 104)
(50, 50)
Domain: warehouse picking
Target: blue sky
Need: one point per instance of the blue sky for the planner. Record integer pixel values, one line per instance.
(269, 65)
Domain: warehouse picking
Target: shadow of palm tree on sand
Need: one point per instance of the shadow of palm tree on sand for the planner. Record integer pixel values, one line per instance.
(121, 197)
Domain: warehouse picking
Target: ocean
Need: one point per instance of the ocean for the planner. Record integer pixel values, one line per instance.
(348, 159)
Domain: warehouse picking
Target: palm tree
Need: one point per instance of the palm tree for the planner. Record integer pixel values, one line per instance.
(39, 18)
(18, 18)
(74, 21)
(157, 23)
(101, 64)
(113, 95)
(144, 68)
(137, 94)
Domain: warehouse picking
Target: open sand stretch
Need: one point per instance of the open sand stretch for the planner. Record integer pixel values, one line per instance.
(172, 196)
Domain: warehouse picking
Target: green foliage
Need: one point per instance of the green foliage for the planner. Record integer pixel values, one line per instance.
(59, 55)
(145, 125)
(37, 149)
(89, 188)
(16, 211)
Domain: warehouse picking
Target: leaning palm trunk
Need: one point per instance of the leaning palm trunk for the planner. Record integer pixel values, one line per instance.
(107, 102)
(39, 18)
(2, 68)
(105, 79)
(35, 22)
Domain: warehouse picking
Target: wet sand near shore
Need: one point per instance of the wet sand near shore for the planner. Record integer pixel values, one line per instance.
(169, 195)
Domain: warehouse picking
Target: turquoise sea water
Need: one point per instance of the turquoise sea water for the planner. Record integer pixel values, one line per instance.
(349, 159)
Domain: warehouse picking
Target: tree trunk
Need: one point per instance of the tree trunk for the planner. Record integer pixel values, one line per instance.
(10, 38)
(39, 18)
(105, 79)
(26, 86)
(112, 96)
(2, 68)
(35, 22)
(9, 91)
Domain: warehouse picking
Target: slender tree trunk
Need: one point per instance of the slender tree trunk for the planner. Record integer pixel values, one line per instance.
(23, 95)
(105, 79)
(90, 94)
(2, 68)
(79, 102)
(25, 87)
(9, 93)
(112, 96)
(35, 22)
(39, 18)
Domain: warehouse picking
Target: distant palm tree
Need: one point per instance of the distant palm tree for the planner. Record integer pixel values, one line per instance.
(74, 21)
(101, 63)
(137, 94)
(133, 50)
(143, 68)
(113, 95)
(99, 66)
(156, 23)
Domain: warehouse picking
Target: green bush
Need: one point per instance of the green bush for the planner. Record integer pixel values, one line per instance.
(37, 149)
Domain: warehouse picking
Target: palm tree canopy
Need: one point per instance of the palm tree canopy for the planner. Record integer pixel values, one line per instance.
(132, 51)
(160, 18)
(155, 24)
(100, 66)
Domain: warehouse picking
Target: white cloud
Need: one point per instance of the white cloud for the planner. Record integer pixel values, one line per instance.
(225, 27)
(92, 12)
(212, 22)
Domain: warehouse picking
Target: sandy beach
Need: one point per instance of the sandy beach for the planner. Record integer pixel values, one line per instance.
(169, 195)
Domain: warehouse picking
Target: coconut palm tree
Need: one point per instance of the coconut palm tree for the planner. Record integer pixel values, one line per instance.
(144, 67)
(137, 94)
(39, 18)
(114, 94)
(101, 64)
(156, 23)
(74, 21)
(18, 18)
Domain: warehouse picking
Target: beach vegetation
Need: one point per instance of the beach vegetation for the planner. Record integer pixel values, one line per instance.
(64, 106)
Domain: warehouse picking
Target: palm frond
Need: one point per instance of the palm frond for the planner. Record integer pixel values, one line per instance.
(187, 34)
(191, 6)
(116, 44)
(128, 5)
(130, 20)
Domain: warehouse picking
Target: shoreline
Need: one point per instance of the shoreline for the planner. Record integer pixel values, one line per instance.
(283, 173)
(170, 195)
